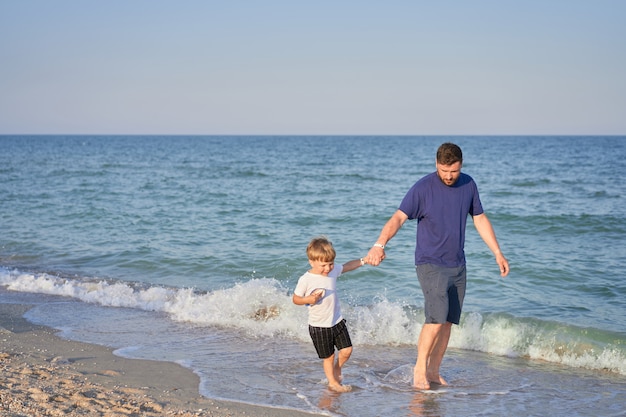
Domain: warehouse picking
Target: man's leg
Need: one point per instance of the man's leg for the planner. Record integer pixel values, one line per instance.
(436, 355)
(431, 348)
(425, 345)
(435, 335)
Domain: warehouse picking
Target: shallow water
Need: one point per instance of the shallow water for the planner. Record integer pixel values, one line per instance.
(169, 247)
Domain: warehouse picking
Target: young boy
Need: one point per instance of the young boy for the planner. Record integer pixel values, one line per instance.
(317, 288)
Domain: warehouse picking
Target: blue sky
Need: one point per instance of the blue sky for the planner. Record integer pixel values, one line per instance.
(313, 67)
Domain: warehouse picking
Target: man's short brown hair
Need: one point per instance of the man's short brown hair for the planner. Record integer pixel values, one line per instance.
(449, 153)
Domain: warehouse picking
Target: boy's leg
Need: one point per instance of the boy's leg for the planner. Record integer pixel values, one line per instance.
(325, 340)
(344, 346)
(329, 370)
(342, 358)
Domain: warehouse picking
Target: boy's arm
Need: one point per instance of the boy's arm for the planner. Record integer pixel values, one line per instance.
(309, 299)
(353, 264)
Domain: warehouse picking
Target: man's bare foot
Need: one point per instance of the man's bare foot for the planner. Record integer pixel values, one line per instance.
(424, 385)
(420, 381)
(340, 388)
(437, 380)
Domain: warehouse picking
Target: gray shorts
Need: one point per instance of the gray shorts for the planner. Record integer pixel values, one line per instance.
(444, 291)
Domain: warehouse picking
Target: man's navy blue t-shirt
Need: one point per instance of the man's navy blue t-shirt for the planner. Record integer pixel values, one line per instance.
(441, 212)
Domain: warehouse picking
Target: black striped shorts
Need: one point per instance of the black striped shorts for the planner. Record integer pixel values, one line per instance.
(326, 338)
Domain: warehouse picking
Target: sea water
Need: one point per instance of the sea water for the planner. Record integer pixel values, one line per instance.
(187, 249)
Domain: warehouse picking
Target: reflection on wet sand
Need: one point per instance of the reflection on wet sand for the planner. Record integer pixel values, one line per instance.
(425, 404)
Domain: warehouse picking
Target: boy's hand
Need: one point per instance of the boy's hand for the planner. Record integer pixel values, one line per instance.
(317, 295)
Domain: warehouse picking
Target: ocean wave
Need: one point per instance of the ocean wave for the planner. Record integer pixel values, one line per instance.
(262, 307)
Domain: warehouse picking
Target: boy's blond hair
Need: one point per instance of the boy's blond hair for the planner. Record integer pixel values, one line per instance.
(321, 249)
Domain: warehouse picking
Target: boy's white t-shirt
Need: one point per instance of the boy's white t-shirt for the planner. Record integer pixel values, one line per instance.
(327, 311)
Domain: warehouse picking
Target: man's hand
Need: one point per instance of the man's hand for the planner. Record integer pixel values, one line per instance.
(375, 256)
(503, 264)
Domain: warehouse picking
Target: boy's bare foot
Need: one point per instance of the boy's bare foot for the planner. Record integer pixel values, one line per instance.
(340, 388)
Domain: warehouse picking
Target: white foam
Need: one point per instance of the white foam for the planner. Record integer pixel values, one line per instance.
(262, 307)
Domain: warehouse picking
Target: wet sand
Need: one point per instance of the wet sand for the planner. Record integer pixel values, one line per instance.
(44, 375)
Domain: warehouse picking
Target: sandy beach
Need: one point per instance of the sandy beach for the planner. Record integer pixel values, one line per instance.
(44, 375)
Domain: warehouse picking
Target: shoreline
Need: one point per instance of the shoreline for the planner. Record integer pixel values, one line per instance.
(43, 374)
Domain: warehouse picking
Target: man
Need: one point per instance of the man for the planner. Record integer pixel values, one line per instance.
(441, 202)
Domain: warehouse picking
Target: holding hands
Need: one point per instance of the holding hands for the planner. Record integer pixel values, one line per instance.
(375, 255)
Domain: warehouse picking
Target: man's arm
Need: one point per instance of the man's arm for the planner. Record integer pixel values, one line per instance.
(486, 232)
(377, 253)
